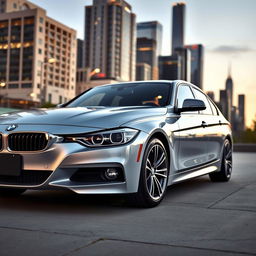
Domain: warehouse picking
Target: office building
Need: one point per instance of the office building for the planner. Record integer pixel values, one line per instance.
(241, 111)
(146, 53)
(169, 67)
(80, 53)
(15, 5)
(110, 39)
(197, 62)
(150, 32)
(178, 25)
(225, 104)
(143, 72)
(37, 56)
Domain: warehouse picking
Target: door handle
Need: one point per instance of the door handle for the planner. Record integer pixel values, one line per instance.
(204, 124)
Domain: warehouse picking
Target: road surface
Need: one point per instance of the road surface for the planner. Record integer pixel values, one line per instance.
(196, 218)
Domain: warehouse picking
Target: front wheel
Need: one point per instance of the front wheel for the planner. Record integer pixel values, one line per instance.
(226, 166)
(11, 191)
(154, 175)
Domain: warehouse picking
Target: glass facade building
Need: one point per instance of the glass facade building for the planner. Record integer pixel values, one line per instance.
(197, 63)
(110, 39)
(151, 30)
(149, 45)
(178, 25)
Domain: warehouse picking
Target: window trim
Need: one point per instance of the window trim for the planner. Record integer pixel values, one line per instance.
(176, 99)
(200, 112)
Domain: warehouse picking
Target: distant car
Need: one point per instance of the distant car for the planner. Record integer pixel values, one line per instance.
(131, 138)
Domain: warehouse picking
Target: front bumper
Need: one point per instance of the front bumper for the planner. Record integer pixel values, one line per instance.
(63, 160)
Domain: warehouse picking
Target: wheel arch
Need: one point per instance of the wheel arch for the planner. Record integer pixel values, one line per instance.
(164, 139)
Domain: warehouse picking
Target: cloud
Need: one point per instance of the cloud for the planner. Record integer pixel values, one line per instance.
(229, 49)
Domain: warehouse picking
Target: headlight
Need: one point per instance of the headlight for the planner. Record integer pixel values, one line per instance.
(105, 138)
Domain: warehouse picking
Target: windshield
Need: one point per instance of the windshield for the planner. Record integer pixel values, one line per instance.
(130, 94)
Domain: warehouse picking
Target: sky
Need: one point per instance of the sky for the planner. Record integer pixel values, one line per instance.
(226, 28)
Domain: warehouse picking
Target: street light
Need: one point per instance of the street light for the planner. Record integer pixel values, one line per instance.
(43, 86)
(2, 85)
(94, 72)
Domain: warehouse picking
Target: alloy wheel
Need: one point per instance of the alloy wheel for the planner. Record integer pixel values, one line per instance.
(228, 158)
(156, 171)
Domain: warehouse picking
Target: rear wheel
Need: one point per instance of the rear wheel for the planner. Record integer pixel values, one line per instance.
(154, 175)
(226, 166)
(11, 191)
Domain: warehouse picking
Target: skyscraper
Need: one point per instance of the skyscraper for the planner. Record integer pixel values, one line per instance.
(151, 31)
(178, 25)
(185, 68)
(146, 53)
(225, 104)
(229, 86)
(241, 111)
(197, 61)
(80, 53)
(37, 55)
(110, 39)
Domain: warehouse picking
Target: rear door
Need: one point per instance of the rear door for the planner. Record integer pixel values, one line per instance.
(211, 126)
(192, 136)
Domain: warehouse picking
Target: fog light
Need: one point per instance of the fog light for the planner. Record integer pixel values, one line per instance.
(111, 174)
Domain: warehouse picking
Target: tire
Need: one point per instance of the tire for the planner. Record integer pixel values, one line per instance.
(225, 172)
(153, 177)
(11, 192)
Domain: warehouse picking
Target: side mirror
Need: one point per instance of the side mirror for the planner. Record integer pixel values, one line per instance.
(190, 105)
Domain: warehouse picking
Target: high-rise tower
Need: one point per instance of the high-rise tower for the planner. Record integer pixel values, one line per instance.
(229, 85)
(110, 39)
(149, 45)
(197, 62)
(178, 25)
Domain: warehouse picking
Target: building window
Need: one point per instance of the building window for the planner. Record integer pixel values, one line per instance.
(13, 86)
(60, 99)
(26, 86)
(40, 41)
(38, 86)
(40, 51)
(40, 29)
(41, 20)
(14, 5)
(50, 97)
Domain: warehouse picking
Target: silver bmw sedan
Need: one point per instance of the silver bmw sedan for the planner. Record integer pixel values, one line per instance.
(132, 138)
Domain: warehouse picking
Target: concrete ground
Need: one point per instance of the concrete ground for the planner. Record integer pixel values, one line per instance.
(196, 218)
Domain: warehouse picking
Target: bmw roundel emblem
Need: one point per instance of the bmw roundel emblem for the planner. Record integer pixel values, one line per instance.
(11, 127)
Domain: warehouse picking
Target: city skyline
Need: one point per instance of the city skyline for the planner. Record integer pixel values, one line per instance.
(231, 22)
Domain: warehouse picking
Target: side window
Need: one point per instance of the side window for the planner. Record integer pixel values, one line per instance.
(200, 96)
(214, 109)
(184, 92)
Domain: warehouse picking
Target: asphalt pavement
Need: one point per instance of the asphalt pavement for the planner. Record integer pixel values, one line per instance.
(197, 217)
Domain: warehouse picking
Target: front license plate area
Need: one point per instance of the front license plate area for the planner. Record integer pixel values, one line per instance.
(10, 164)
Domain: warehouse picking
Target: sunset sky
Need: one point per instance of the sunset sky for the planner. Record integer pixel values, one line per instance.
(225, 27)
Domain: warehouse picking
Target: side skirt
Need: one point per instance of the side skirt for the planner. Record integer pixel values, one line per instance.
(196, 172)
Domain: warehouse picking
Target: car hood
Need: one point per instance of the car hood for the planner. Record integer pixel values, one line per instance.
(104, 118)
